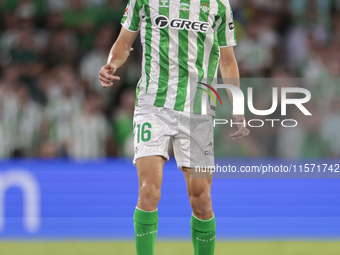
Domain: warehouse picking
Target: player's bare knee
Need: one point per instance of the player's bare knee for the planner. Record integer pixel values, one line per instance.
(149, 195)
(201, 203)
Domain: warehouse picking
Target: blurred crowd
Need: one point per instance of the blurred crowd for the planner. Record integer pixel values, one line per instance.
(52, 104)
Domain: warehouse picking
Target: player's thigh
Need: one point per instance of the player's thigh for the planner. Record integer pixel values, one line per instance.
(152, 131)
(197, 184)
(193, 145)
(150, 171)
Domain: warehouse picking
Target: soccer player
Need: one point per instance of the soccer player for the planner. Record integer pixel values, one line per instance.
(182, 40)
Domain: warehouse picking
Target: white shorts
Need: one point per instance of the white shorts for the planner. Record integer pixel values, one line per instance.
(192, 136)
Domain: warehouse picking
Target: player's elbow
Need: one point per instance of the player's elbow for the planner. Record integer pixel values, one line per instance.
(228, 61)
(122, 46)
(126, 39)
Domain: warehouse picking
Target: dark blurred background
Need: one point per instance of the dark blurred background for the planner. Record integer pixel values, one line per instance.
(52, 104)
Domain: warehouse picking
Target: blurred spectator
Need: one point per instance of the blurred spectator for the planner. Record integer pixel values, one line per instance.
(123, 119)
(8, 110)
(27, 127)
(25, 56)
(254, 51)
(112, 11)
(82, 20)
(62, 108)
(5, 141)
(91, 3)
(27, 8)
(56, 6)
(77, 16)
(95, 59)
(48, 150)
(304, 140)
(89, 131)
(62, 48)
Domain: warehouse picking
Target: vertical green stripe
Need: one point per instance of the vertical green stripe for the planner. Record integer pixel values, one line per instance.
(214, 24)
(183, 74)
(213, 61)
(163, 61)
(215, 50)
(124, 17)
(138, 90)
(199, 62)
(135, 20)
(148, 35)
(221, 30)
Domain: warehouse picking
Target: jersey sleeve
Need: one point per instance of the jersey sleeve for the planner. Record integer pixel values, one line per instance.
(132, 15)
(225, 28)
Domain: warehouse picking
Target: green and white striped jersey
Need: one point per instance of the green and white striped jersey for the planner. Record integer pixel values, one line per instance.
(181, 40)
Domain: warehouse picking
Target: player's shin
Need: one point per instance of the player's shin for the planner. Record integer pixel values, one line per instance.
(146, 225)
(203, 235)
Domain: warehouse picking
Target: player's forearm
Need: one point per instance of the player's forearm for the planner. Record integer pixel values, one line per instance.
(230, 73)
(119, 53)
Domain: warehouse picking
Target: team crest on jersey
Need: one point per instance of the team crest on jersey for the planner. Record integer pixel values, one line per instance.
(184, 7)
(205, 8)
(126, 11)
(164, 3)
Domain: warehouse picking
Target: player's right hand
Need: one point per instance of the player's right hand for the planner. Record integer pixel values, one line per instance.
(106, 76)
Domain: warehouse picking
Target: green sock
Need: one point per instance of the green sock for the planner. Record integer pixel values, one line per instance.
(146, 224)
(203, 235)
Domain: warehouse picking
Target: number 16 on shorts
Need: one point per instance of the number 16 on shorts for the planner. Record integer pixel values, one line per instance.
(143, 132)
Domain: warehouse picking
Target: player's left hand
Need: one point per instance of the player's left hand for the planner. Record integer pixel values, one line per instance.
(242, 128)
